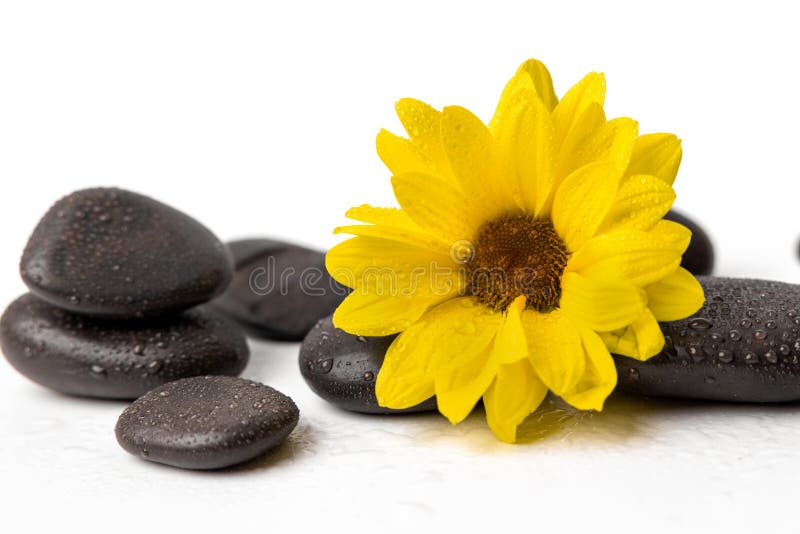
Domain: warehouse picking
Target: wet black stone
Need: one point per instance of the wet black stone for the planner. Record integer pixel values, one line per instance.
(206, 422)
(342, 368)
(79, 355)
(699, 257)
(743, 346)
(279, 290)
(114, 253)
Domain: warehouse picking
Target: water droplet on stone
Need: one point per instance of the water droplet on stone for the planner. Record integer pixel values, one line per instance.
(369, 376)
(138, 350)
(725, 356)
(746, 323)
(700, 324)
(324, 366)
(97, 371)
(633, 375)
(760, 335)
(771, 325)
(750, 357)
(771, 357)
(735, 335)
(154, 366)
(785, 350)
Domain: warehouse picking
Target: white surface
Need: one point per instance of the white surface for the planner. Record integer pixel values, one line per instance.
(260, 120)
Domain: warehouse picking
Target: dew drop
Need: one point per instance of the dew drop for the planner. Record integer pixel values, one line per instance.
(324, 367)
(725, 356)
(700, 324)
(771, 357)
(759, 335)
(97, 371)
(154, 366)
(369, 376)
(735, 335)
(750, 357)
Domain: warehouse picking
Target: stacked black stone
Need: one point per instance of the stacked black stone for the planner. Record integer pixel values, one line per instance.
(117, 280)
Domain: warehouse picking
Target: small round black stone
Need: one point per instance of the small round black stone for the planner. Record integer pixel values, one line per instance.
(699, 257)
(206, 422)
(279, 290)
(79, 355)
(744, 361)
(114, 253)
(342, 368)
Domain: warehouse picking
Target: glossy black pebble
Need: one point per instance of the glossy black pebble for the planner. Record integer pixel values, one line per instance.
(341, 368)
(743, 345)
(78, 355)
(279, 290)
(699, 257)
(113, 253)
(206, 422)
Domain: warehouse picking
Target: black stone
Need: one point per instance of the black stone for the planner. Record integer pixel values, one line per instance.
(113, 253)
(206, 422)
(341, 368)
(79, 355)
(279, 290)
(743, 345)
(699, 257)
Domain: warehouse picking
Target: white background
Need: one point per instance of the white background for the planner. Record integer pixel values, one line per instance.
(259, 119)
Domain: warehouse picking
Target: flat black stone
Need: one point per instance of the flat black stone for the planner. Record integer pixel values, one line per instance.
(742, 346)
(699, 257)
(279, 290)
(341, 368)
(206, 422)
(78, 355)
(114, 253)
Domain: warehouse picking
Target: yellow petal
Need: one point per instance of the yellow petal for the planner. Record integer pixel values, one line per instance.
(458, 329)
(523, 133)
(554, 349)
(642, 340)
(611, 141)
(510, 344)
(469, 147)
(423, 124)
(657, 154)
(582, 202)
(393, 224)
(401, 155)
(542, 81)
(435, 205)
(600, 377)
(515, 393)
(384, 267)
(601, 306)
(460, 385)
(367, 314)
(590, 90)
(677, 296)
(641, 202)
(633, 256)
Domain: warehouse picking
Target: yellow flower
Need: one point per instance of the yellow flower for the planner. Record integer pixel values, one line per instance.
(522, 253)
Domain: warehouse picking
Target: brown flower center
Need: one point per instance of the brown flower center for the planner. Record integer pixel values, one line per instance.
(517, 255)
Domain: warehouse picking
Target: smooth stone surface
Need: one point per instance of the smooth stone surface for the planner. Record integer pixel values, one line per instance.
(699, 257)
(279, 290)
(78, 355)
(341, 368)
(743, 345)
(206, 422)
(113, 253)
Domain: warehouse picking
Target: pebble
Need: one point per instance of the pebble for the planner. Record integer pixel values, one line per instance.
(342, 368)
(699, 257)
(113, 253)
(89, 357)
(743, 345)
(206, 422)
(279, 290)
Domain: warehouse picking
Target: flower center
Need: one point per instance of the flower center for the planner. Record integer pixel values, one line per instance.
(517, 255)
